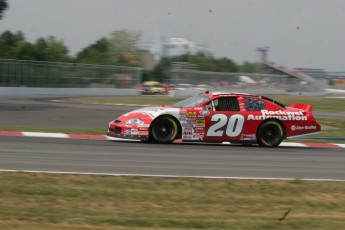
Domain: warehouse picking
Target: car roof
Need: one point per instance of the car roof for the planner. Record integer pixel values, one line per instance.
(212, 94)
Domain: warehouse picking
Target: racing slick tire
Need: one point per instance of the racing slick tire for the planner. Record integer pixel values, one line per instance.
(164, 130)
(270, 134)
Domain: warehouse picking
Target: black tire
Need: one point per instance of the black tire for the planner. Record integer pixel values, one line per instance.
(270, 134)
(164, 130)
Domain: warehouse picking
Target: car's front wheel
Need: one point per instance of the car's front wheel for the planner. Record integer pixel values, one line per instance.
(164, 130)
(270, 134)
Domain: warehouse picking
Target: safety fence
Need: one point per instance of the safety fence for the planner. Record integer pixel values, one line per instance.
(234, 81)
(21, 73)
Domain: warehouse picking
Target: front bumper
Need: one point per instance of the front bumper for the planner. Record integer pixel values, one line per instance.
(125, 132)
(128, 137)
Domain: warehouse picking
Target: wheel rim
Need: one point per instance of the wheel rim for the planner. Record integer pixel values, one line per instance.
(164, 130)
(271, 134)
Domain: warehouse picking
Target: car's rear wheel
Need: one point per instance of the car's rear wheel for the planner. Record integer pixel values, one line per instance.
(270, 134)
(164, 130)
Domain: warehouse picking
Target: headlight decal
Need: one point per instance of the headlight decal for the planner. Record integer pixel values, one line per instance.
(135, 121)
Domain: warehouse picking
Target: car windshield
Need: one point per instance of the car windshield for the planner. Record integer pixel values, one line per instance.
(192, 101)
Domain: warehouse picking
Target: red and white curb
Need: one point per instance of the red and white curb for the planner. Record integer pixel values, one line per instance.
(104, 137)
(56, 135)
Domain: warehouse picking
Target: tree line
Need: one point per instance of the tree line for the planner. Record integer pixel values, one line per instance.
(117, 49)
(120, 48)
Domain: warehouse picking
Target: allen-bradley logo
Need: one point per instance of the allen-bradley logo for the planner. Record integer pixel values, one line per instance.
(279, 114)
(306, 127)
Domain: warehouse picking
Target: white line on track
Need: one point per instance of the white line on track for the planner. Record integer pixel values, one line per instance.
(39, 134)
(170, 176)
(292, 144)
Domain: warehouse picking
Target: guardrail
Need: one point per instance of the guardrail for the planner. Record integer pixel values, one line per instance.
(20, 77)
(65, 92)
(25, 73)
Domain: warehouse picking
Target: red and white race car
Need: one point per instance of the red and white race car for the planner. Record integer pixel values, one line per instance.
(218, 117)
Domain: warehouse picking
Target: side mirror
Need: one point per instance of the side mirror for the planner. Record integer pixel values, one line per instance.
(208, 107)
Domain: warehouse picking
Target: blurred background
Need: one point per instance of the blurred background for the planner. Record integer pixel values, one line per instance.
(174, 48)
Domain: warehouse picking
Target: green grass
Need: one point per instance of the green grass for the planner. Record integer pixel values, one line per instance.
(335, 123)
(319, 103)
(333, 128)
(42, 201)
(144, 100)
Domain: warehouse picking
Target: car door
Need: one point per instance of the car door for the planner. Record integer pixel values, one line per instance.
(225, 121)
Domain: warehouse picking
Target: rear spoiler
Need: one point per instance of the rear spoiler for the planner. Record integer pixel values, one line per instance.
(305, 107)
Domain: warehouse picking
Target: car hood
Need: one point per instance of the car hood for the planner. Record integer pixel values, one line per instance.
(153, 112)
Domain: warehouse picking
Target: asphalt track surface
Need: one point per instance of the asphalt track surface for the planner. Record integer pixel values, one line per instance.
(135, 158)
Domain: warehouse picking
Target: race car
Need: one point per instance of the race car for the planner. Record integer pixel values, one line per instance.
(218, 117)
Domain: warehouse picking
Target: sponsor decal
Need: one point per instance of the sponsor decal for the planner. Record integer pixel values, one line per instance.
(143, 126)
(192, 114)
(183, 118)
(187, 133)
(134, 131)
(187, 137)
(200, 121)
(198, 134)
(143, 133)
(143, 129)
(199, 125)
(187, 124)
(127, 132)
(248, 137)
(196, 137)
(279, 114)
(204, 113)
(306, 127)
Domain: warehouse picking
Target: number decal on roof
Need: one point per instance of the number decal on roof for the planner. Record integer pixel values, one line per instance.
(234, 125)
